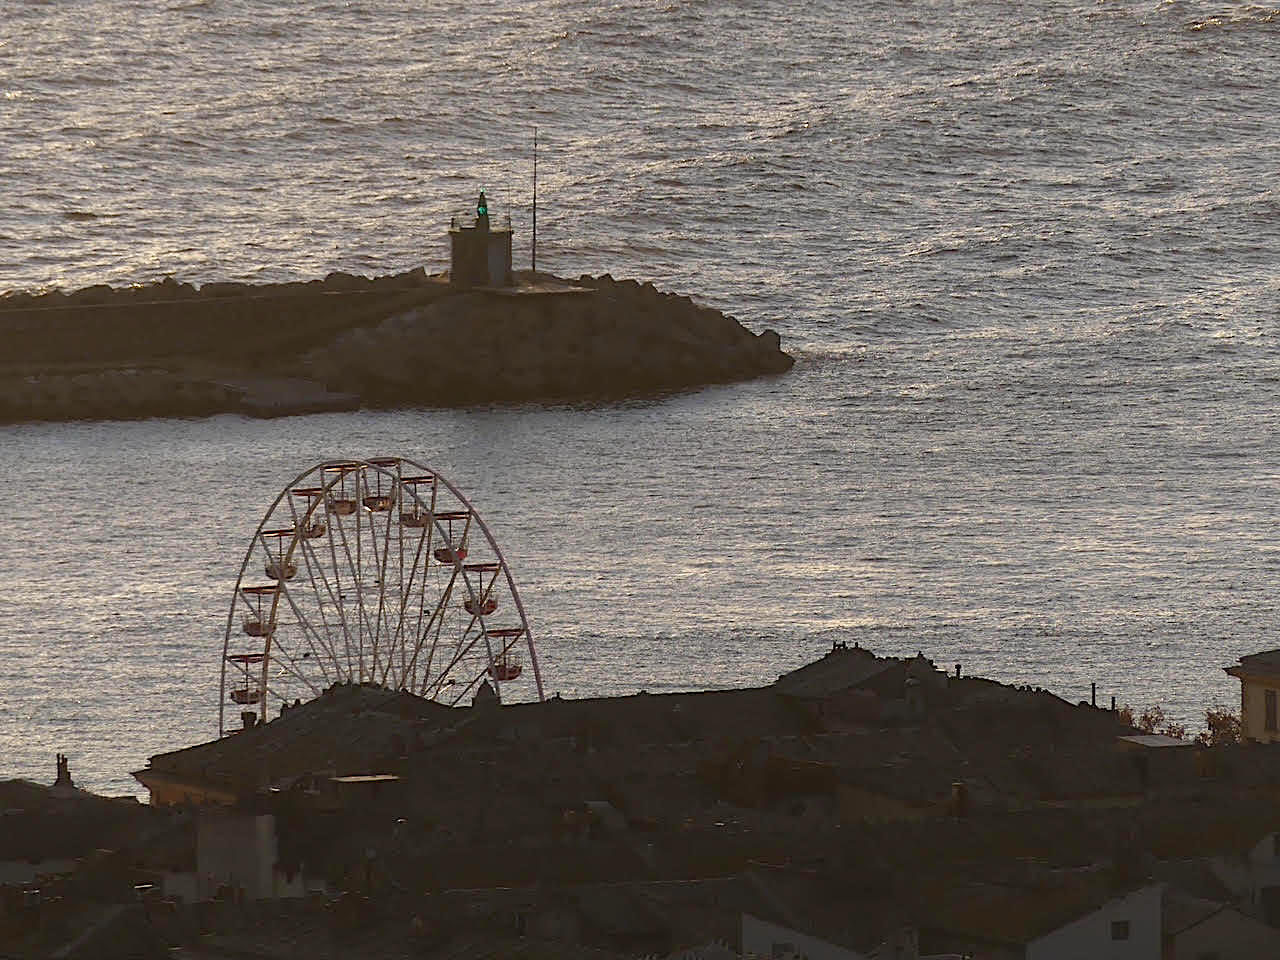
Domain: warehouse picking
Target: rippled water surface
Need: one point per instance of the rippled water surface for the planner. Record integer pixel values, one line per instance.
(1027, 256)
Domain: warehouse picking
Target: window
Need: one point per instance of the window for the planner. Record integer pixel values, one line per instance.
(1119, 929)
(1271, 710)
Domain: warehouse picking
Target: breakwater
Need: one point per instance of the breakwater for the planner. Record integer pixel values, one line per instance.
(172, 349)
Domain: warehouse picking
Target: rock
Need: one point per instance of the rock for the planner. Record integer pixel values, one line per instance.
(224, 290)
(343, 282)
(770, 355)
(89, 296)
(170, 289)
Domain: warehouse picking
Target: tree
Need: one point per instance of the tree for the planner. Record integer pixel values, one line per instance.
(1152, 720)
(1222, 726)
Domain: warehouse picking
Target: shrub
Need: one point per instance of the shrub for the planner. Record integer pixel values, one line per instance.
(1152, 720)
(1222, 726)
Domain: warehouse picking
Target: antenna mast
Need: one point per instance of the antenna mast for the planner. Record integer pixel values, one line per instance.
(533, 246)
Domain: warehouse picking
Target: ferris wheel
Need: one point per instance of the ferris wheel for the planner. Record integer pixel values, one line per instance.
(376, 571)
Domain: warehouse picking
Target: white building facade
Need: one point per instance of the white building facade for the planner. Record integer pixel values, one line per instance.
(1126, 928)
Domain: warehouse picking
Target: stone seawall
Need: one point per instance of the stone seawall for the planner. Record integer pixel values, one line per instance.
(170, 349)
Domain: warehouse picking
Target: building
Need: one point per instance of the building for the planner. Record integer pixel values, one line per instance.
(1253, 877)
(237, 854)
(761, 938)
(1089, 916)
(1259, 676)
(1159, 760)
(480, 248)
(851, 685)
(346, 743)
(1195, 928)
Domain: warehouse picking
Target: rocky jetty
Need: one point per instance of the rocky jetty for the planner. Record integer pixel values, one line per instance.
(170, 349)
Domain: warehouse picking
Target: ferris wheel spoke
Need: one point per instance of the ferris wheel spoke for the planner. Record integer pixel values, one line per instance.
(318, 578)
(374, 614)
(406, 600)
(357, 565)
(401, 595)
(336, 589)
(461, 693)
(464, 648)
(454, 552)
(416, 520)
(287, 668)
(512, 636)
(383, 636)
(428, 537)
(437, 619)
(319, 648)
(364, 627)
(343, 602)
(303, 524)
(367, 628)
(422, 563)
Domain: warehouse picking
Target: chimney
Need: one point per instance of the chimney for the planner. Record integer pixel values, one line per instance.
(64, 772)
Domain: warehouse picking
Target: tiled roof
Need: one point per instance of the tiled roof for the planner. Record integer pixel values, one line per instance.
(841, 669)
(1155, 740)
(1018, 915)
(345, 730)
(1181, 911)
(1266, 662)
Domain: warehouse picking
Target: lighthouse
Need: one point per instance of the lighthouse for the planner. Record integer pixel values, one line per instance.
(481, 248)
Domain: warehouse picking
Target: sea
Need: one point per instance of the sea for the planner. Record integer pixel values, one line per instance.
(1026, 257)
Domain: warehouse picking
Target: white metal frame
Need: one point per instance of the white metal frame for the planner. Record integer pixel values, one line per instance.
(371, 597)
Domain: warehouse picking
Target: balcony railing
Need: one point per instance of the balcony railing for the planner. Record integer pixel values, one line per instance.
(467, 221)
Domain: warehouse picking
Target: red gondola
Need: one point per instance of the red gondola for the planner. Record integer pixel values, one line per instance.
(505, 667)
(481, 609)
(280, 570)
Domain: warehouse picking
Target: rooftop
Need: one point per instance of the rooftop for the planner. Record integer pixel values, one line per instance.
(1156, 741)
(842, 668)
(1266, 663)
(1018, 915)
(351, 729)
